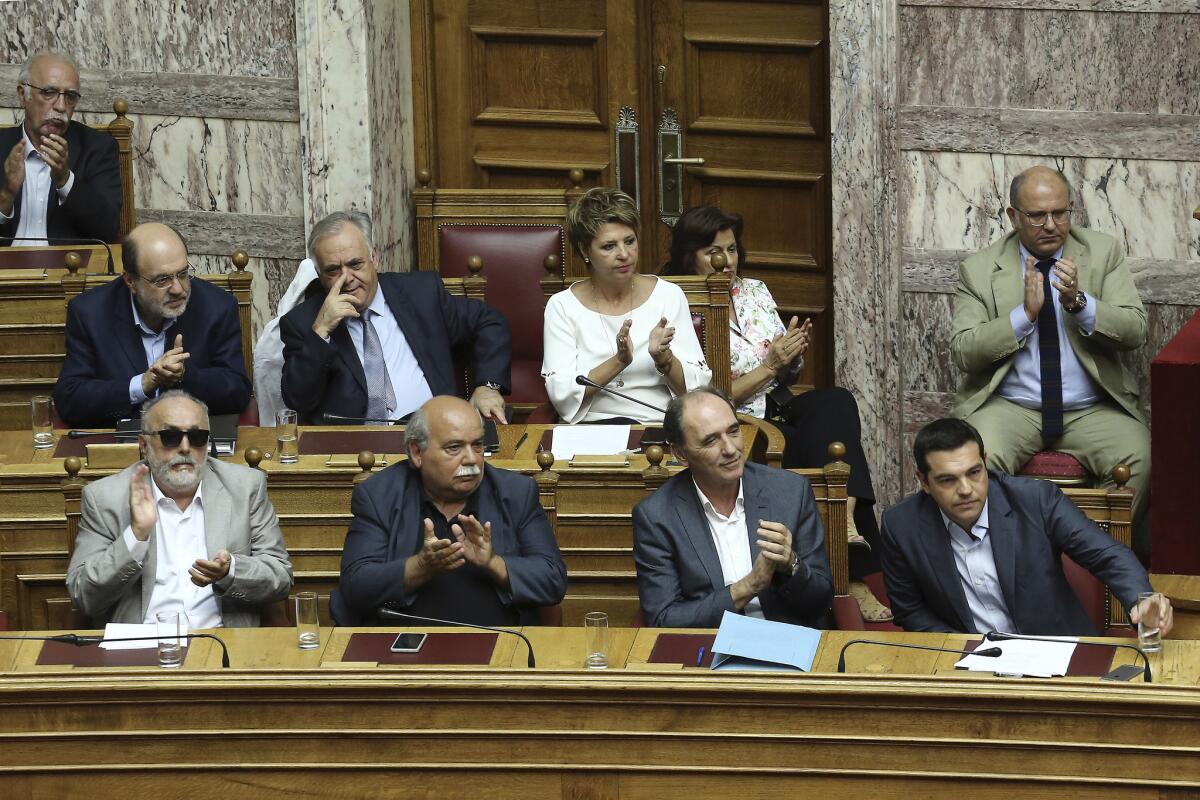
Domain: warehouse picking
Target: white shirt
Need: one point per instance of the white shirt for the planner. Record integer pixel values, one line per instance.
(35, 196)
(577, 339)
(408, 381)
(154, 343)
(179, 541)
(977, 572)
(732, 541)
(1022, 384)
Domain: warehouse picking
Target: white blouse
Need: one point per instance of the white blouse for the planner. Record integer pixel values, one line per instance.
(577, 339)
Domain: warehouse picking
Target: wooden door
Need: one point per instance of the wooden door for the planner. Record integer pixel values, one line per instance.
(516, 94)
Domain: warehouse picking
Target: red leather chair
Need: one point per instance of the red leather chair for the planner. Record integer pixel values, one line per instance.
(1056, 467)
(515, 259)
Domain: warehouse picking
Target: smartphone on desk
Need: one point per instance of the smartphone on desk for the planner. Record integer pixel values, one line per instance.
(408, 643)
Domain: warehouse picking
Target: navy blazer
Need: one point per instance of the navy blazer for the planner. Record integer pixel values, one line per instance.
(93, 208)
(680, 582)
(104, 350)
(387, 529)
(321, 377)
(1031, 523)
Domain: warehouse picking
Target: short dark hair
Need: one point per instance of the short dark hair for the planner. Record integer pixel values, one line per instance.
(129, 249)
(597, 207)
(673, 418)
(943, 434)
(1014, 188)
(696, 230)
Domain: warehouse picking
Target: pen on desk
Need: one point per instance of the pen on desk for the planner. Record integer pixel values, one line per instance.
(521, 441)
(700, 656)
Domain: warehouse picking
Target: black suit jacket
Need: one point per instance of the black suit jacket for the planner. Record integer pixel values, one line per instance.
(93, 208)
(320, 376)
(386, 530)
(104, 350)
(1031, 523)
(680, 582)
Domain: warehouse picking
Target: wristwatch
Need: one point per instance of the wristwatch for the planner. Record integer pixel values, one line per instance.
(795, 565)
(1080, 304)
(495, 387)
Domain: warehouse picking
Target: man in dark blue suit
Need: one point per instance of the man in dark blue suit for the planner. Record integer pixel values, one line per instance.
(154, 328)
(379, 345)
(977, 551)
(444, 535)
(62, 179)
(724, 535)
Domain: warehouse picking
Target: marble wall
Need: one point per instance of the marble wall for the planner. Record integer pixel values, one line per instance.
(971, 93)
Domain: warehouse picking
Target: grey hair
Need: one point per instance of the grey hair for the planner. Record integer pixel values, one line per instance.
(333, 223)
(27, 68)
(673, 419)
(172, 394)
(416, 431)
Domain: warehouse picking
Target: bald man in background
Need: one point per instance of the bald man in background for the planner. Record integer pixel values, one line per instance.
(155, 328)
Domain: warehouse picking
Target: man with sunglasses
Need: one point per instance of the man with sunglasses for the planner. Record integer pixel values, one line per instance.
(1040, 320)
(62, 179)
(178, 530)
(155, 328)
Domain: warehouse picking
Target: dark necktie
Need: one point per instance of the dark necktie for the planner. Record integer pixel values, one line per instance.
(1051, 358)
(381, 396)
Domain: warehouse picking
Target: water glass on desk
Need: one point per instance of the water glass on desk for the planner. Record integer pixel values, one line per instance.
(308, 631)
(43, 434)
(1149, 635)
(595, 634)
(287, 444)
(170, 646)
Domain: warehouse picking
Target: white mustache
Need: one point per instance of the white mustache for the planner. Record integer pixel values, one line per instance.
(177, 460)
(468, 471)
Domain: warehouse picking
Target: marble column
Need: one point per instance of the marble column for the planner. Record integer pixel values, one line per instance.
(355, 76)
(866, 262)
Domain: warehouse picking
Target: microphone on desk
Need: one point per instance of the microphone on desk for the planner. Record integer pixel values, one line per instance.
(60, 240)
(584, 380)
(333, 419)
(989, 652)
(386, 611)
(119, 434)
(997, 636)
(87, 641)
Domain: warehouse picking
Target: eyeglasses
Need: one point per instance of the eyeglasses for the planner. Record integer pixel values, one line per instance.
(171, 437)
(1038, 218)
(50, 94)
(163, 281)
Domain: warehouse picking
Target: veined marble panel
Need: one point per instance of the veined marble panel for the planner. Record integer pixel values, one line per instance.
(223, 232)
(925, 342)
(271, 279)
(1129, 6)
(1017, 58)
(236, 37)
(956, 201)
(193, 163)
(866, 274)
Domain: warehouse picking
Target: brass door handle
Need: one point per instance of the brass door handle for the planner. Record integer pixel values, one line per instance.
(685, 162)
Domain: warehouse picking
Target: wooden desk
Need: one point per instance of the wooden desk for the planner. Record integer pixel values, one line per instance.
(287, 728)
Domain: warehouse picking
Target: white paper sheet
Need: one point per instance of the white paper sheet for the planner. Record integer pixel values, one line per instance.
(1023, 657)
(125, 630)
(593, 440)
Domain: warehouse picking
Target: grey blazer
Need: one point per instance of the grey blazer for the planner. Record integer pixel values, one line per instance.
(106, 582)
(680, 582)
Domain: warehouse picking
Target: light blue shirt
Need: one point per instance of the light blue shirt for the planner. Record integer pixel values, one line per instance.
(35, 196)
(155, 344)
(1023, 383)
(977, 572)
(408, 381)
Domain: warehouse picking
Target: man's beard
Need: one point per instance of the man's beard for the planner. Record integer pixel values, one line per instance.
(168, 478)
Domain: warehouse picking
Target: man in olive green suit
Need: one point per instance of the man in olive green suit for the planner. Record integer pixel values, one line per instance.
(1050, 283)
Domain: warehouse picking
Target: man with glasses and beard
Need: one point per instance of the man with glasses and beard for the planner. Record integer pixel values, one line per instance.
(62, 180)
(444, 535)
(1041, 318)
(177, 531)
(157, 328)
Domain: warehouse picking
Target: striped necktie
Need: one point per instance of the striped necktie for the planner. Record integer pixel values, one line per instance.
(381, 395)
(1051, 359)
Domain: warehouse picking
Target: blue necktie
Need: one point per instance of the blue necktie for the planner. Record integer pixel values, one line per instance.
(381, 396)
(1051, 359)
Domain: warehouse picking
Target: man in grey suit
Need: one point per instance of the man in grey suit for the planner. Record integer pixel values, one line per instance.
(178, 531)
(955, 553)
(724, 535)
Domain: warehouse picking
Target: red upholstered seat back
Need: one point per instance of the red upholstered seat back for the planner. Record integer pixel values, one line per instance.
(513, 263)
(1092, 594)
(1054, 465)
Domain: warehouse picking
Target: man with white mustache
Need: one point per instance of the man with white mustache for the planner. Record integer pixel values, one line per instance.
(446, 536)
(178, 531)
(62, 179)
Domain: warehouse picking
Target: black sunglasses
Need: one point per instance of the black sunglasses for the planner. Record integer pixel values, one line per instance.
(170, 437)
